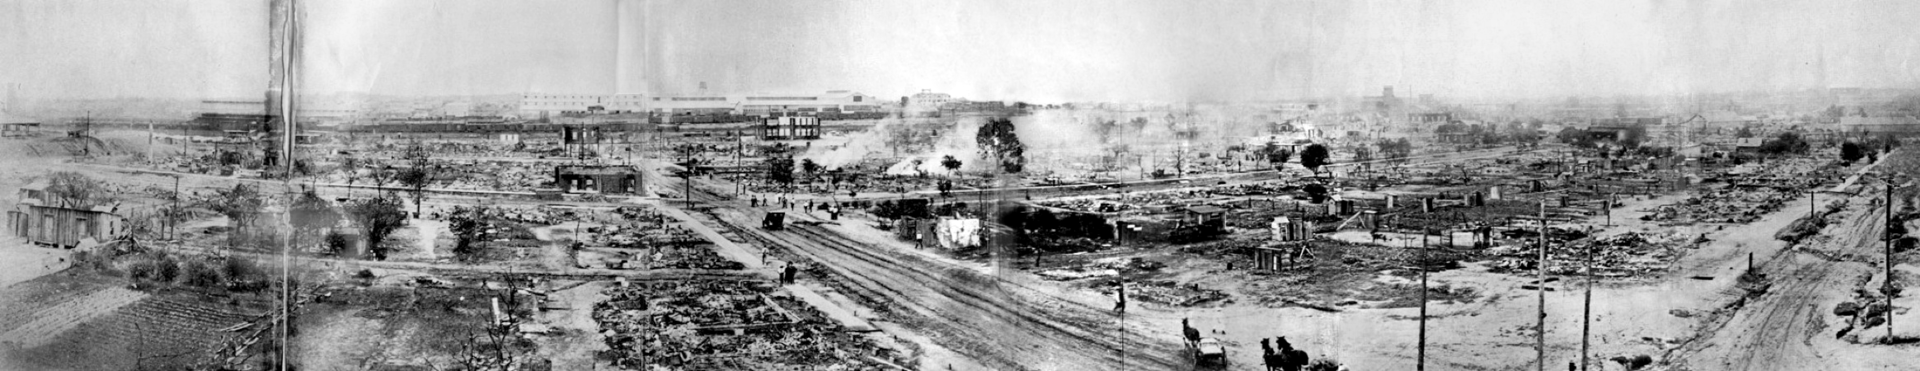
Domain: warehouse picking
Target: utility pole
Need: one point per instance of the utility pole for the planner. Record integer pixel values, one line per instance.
(1608, 209)
(1421, 362)
(1586, 312)
(1540, 282)
(1123, 325)
(173, 215)
(1888, 282)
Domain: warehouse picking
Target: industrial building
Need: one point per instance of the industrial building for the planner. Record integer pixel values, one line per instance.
(836, 101)
(542, 105)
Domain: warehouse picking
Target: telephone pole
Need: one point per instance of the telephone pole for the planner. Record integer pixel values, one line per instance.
(1421, 364)
(1540, 286)
(1586, 312)
(1888, 282)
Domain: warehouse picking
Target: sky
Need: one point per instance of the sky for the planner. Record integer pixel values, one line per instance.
(1058, 50)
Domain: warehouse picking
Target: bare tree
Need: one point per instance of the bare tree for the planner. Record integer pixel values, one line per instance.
(418, 174)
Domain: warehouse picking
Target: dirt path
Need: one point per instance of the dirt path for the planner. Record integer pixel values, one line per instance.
(429, 233)
(1778, 330)
(576, 337)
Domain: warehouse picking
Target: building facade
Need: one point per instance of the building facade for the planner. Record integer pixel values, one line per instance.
(790, 127)
(834, 101)
(601, 179)
(536, 105)
(39, 219)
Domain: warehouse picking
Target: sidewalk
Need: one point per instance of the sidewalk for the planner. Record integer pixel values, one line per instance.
(850, 321)
(726, 247)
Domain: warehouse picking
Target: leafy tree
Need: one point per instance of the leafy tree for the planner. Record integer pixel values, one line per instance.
(1850, 152)
(1744, 132)
(886, 209)
(1634, 136)
(952, 164)
(780, 170)
(350, 166)
(243, 274)
(1787, 142)
(469, 225)
(1106, 129)
(1042, 220)
(337, 243)
(1314, 157)
(312, 215)
(1576, 138)
(378, 217)
(998, 141)
(71, 189)
(1362, 154)
(1395, 149)
(1276, 156)
(1525, 136)
(240, 204)
(1316, 192)
(812, 168)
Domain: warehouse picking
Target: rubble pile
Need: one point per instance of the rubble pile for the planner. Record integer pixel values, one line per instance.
(1623, 255)
(1171, 293)
(727, 325)
(1092, 206)
(1101, 268)
(677, 257)
(1722, 206)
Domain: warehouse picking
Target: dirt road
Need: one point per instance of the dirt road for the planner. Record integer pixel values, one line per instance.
(1778, 330)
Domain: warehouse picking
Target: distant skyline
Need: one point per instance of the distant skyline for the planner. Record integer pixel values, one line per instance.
(1075, 50)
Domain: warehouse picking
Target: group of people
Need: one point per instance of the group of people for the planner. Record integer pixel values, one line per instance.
(832, 210)
(788, 274)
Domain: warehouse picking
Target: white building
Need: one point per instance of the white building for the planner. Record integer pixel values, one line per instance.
(554, 104)
(835, 101)
(457, 109)
(927, 99)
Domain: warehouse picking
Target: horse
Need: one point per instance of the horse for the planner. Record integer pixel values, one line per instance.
(1192, 334)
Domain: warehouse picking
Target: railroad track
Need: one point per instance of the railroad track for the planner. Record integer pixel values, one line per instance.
(975, 315)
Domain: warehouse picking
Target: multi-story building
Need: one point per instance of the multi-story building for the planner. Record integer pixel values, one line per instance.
(929, 100)
(790, 127)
